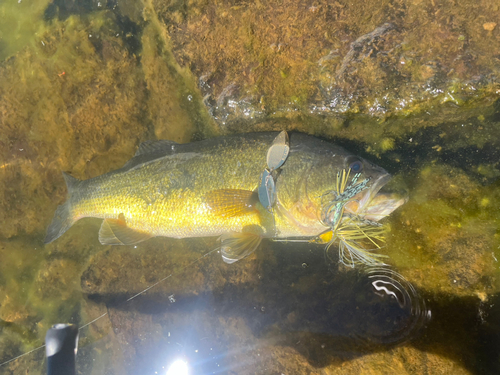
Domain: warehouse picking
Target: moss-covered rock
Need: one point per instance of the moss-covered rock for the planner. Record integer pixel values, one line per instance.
(65, 104)
(445, 238)
(281, 59)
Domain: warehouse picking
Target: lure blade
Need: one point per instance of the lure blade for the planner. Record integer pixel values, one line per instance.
(278, 152)
(267, 190)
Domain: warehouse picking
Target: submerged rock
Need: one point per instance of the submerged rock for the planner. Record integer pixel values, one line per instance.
(284, 59)
(444, 238)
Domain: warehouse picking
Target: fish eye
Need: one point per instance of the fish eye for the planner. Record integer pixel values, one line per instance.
(356, 166)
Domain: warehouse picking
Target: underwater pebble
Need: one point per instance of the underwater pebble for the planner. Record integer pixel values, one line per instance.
(489, 26)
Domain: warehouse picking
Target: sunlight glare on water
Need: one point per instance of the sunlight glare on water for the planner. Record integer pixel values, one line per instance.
(179, 367)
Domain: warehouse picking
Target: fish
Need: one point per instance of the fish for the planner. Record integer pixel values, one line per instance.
(210, 188)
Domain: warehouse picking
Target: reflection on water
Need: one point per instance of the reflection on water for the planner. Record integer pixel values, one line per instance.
(323, 315)
(412, 313)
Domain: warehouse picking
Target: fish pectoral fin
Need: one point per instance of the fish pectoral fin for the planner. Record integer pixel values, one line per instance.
(116, 232)
(236, 246)
(231, 202)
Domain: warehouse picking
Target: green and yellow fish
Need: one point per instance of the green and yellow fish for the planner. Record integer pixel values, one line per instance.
(210, 188)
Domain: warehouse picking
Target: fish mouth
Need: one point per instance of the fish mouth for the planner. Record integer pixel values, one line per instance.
(373, 204)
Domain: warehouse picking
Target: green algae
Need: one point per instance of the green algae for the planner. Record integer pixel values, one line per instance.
(405, 59)
(443, 238)
(65, 102)
(177, 116)
(19, 26)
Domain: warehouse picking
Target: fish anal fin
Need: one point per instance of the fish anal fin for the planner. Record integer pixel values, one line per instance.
(232, 202)
(116, 232)
(236, 246)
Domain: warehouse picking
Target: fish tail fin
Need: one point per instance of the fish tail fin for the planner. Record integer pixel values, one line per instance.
(63, 219)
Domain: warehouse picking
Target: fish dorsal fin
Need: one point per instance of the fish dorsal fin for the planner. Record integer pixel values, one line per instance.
(154, 147)
(236, 246)
(116, 232)
(231, 202)
(151, 150)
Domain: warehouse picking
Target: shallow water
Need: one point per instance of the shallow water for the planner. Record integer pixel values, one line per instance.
(82, 85)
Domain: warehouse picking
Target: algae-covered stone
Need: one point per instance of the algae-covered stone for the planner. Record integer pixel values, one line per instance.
(183, 266)
(65, 105)
(20, 22)
(174, 103)
(255, 60)
(443, 239)
(289, 319)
